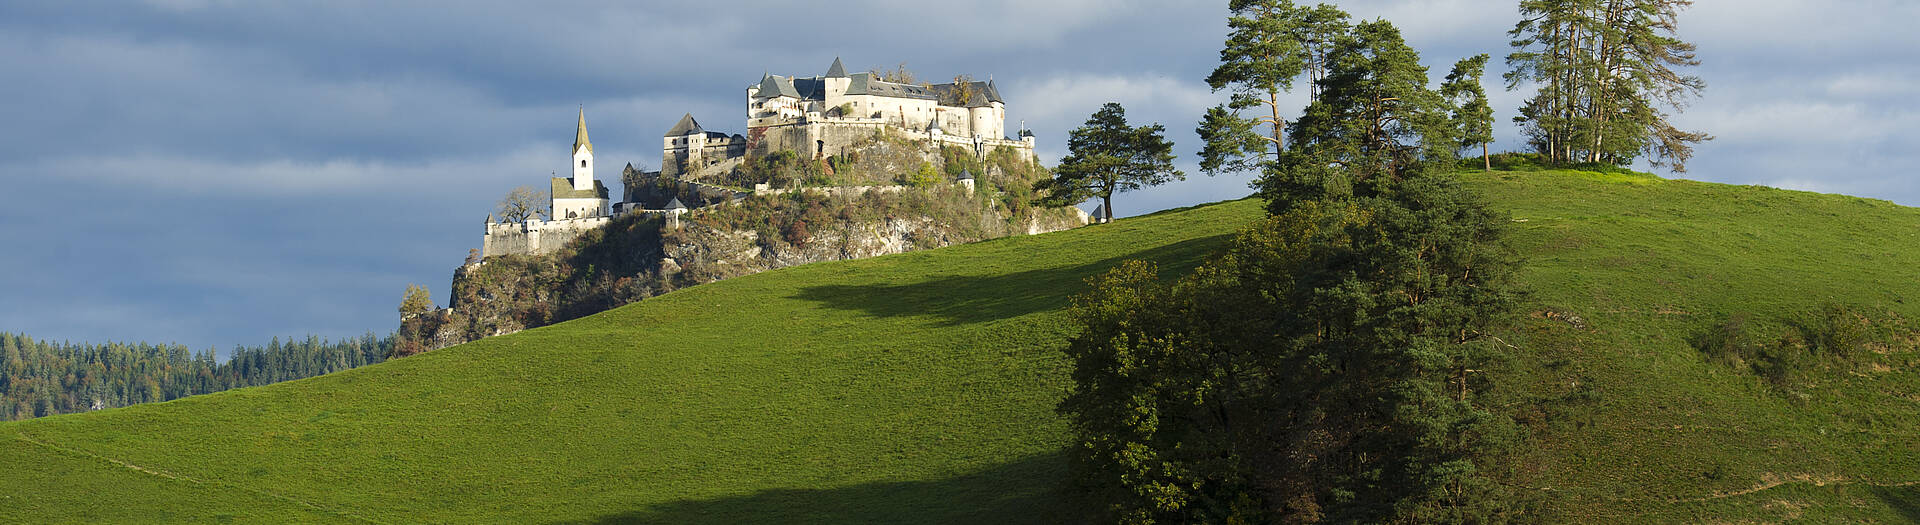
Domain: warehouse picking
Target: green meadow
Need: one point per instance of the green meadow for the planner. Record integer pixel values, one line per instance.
(921, 387)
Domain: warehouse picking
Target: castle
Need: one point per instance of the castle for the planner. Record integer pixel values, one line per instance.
(822, 116)
(815, 117)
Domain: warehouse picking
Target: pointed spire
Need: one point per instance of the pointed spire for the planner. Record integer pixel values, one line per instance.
(837, 70)
(580, 136)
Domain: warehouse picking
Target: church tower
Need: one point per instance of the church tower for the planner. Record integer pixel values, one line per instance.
(582, 156)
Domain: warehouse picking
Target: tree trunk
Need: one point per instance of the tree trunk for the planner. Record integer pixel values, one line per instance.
(1279, 142)
(1486, 157)
(1106, 207)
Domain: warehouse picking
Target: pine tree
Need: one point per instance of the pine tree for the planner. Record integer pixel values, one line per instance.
(1107, 156)
(1472, 116)
(1330, 364)
(1605, 71)
(1376, 121)
(1270, 44)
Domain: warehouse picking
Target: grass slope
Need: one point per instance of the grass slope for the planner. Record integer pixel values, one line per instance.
(910, 388)
(920, 387)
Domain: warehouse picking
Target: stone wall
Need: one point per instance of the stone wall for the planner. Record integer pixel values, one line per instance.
(535, 237)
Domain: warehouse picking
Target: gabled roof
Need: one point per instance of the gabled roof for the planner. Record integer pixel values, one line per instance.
(982, 94)
(580, 136)
(836, 70)
(687, 126)
(772, 86)
(865, 84)
(563, 189)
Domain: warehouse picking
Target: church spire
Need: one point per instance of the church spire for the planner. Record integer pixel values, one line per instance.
(580, 137)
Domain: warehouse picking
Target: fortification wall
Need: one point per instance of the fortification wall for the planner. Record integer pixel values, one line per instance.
(535, 237)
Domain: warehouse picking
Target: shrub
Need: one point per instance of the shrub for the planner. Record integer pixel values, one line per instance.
(1727, 341)
(1834, 330)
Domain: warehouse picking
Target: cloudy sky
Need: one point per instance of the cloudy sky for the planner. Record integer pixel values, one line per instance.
(214, 172)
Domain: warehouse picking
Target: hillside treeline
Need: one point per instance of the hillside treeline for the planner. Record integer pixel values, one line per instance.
(43, 378)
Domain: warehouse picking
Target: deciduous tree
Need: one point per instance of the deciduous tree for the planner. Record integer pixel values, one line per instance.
(415, 301)
(522, 203)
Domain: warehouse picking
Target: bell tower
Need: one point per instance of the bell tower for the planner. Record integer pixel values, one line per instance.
(582, 156)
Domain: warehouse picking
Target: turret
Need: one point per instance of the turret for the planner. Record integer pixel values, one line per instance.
(835, 83)
(582, 156)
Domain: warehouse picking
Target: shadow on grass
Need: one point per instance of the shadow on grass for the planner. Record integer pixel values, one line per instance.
(970, 299)
(1904, 500)
(1026, 491)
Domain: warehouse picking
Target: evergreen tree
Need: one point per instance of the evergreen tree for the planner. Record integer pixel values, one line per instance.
(1331, 363)
(1270, 43)
(1605, 71)
(1107, 156)
(1376, 121)
(1472, 116)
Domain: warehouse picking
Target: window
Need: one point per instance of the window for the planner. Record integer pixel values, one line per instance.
(583, 163)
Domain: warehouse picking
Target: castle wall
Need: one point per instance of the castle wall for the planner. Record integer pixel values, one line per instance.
(535, 237)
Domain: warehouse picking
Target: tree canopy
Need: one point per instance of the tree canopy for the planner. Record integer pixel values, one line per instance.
(1333, 363)
(1270, 44)
(1108, 155)
(1608, 72)
(521, 204)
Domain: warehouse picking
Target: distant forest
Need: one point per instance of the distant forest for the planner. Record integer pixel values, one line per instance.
(43, 378)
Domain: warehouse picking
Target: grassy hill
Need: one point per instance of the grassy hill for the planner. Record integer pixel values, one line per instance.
(920, 387)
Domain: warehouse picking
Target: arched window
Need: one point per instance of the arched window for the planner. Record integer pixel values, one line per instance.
(583, 163)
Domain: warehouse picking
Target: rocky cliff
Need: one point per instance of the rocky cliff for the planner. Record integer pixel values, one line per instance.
(636, 257)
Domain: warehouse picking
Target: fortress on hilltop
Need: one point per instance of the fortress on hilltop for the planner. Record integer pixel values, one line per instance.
(813, 117)
(822, 116)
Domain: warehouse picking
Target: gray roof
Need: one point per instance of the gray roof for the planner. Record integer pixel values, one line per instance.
(809, 88)
(983, 94)
(865, 84)
(675, 204)
(773, 86)
(687, 126)
(966, 175)
(836, 70)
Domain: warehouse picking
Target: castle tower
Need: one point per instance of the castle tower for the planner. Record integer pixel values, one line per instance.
(836, 83)
(582, 156)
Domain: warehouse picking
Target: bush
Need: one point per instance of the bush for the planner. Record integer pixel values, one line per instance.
(1834, 330)
(1727, 341)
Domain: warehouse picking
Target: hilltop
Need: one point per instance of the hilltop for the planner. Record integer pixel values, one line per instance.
(921, 386)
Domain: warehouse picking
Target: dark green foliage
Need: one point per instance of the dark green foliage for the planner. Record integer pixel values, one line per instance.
(1835, 331)
(43, 378)
(1331, 364)
(1270, 43)
(1832, 336)
(1108, 156)
(1376, 123)
(1472, 117)
(1334, 362)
